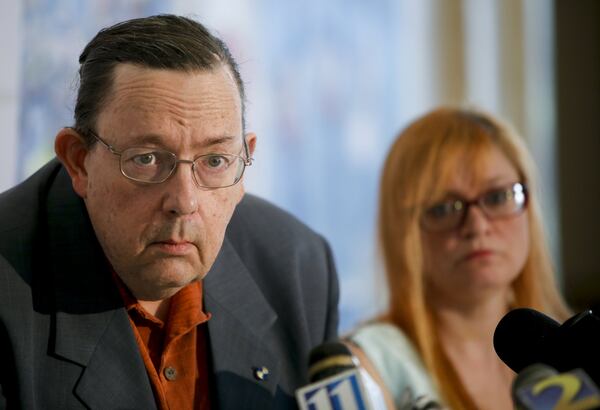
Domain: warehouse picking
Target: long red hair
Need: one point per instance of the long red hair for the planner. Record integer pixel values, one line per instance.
(421, 159)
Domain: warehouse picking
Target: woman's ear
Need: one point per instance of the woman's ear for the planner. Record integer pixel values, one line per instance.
(72, 150)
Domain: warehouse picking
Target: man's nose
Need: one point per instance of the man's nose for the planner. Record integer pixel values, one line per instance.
(181, 191)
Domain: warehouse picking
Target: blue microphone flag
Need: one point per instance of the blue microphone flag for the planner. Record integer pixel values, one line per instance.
(343, 391)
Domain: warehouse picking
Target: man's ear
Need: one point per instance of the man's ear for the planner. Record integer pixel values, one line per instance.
(71, 150)
(251, 141)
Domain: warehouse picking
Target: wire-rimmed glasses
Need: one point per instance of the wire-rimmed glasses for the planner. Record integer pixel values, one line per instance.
(154, 165)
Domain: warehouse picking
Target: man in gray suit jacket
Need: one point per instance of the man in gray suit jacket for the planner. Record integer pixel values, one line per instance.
(145, 203)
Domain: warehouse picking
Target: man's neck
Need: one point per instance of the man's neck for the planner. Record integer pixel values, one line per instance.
(157, 308)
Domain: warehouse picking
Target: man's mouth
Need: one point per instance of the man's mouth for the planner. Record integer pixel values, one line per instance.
(174, 247)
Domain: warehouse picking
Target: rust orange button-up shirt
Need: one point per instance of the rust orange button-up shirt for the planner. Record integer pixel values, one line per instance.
(175, 353)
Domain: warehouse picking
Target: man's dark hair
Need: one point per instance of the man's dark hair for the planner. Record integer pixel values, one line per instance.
(162, 42)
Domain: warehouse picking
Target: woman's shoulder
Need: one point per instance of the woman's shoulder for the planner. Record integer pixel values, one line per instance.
(384, 336)
(389, 348)
(396, 360)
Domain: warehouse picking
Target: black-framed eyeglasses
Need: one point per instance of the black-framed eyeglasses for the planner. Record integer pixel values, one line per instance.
(154, 166)
(495, 204)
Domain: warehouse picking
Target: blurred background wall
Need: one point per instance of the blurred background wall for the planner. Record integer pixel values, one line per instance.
(330, 84)
(578, 107)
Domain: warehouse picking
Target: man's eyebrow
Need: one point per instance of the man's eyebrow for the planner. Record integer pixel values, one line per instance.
(212, 141)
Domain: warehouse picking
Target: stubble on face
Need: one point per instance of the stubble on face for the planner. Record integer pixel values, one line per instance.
(159, 238)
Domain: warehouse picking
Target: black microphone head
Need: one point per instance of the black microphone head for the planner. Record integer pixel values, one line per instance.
(519, 335)
(582, 319)
(576, 345)
(329, 359)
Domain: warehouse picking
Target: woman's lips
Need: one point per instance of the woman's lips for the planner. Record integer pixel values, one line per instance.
(478, 254)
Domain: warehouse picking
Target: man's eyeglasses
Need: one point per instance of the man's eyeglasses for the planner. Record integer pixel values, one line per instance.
(495, 204)
(153, 166)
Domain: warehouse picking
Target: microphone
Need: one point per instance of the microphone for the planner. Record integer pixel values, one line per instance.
(541, 387)
(337, 383)
(525, 336)
(520, 335)
(525, 379)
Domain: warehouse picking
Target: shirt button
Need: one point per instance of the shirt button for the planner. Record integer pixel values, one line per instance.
(170, 373)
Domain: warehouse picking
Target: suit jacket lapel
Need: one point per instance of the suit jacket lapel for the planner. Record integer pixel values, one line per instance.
(114, 375)
(238, 331)
(91, 327)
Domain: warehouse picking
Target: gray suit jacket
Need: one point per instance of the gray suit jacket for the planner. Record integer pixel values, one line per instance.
(65, 338)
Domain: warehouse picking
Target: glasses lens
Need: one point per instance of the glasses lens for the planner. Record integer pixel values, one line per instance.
(147, 165)
(505, 201)
(443, 216)
(218, 170)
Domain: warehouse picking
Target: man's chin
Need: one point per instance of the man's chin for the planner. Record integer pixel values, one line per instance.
(177, 280)
(164, 282)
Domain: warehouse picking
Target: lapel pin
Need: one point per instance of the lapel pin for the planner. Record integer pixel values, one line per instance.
(261, 373)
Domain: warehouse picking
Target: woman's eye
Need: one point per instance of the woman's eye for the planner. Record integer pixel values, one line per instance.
(441, 210)
(496, 198)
